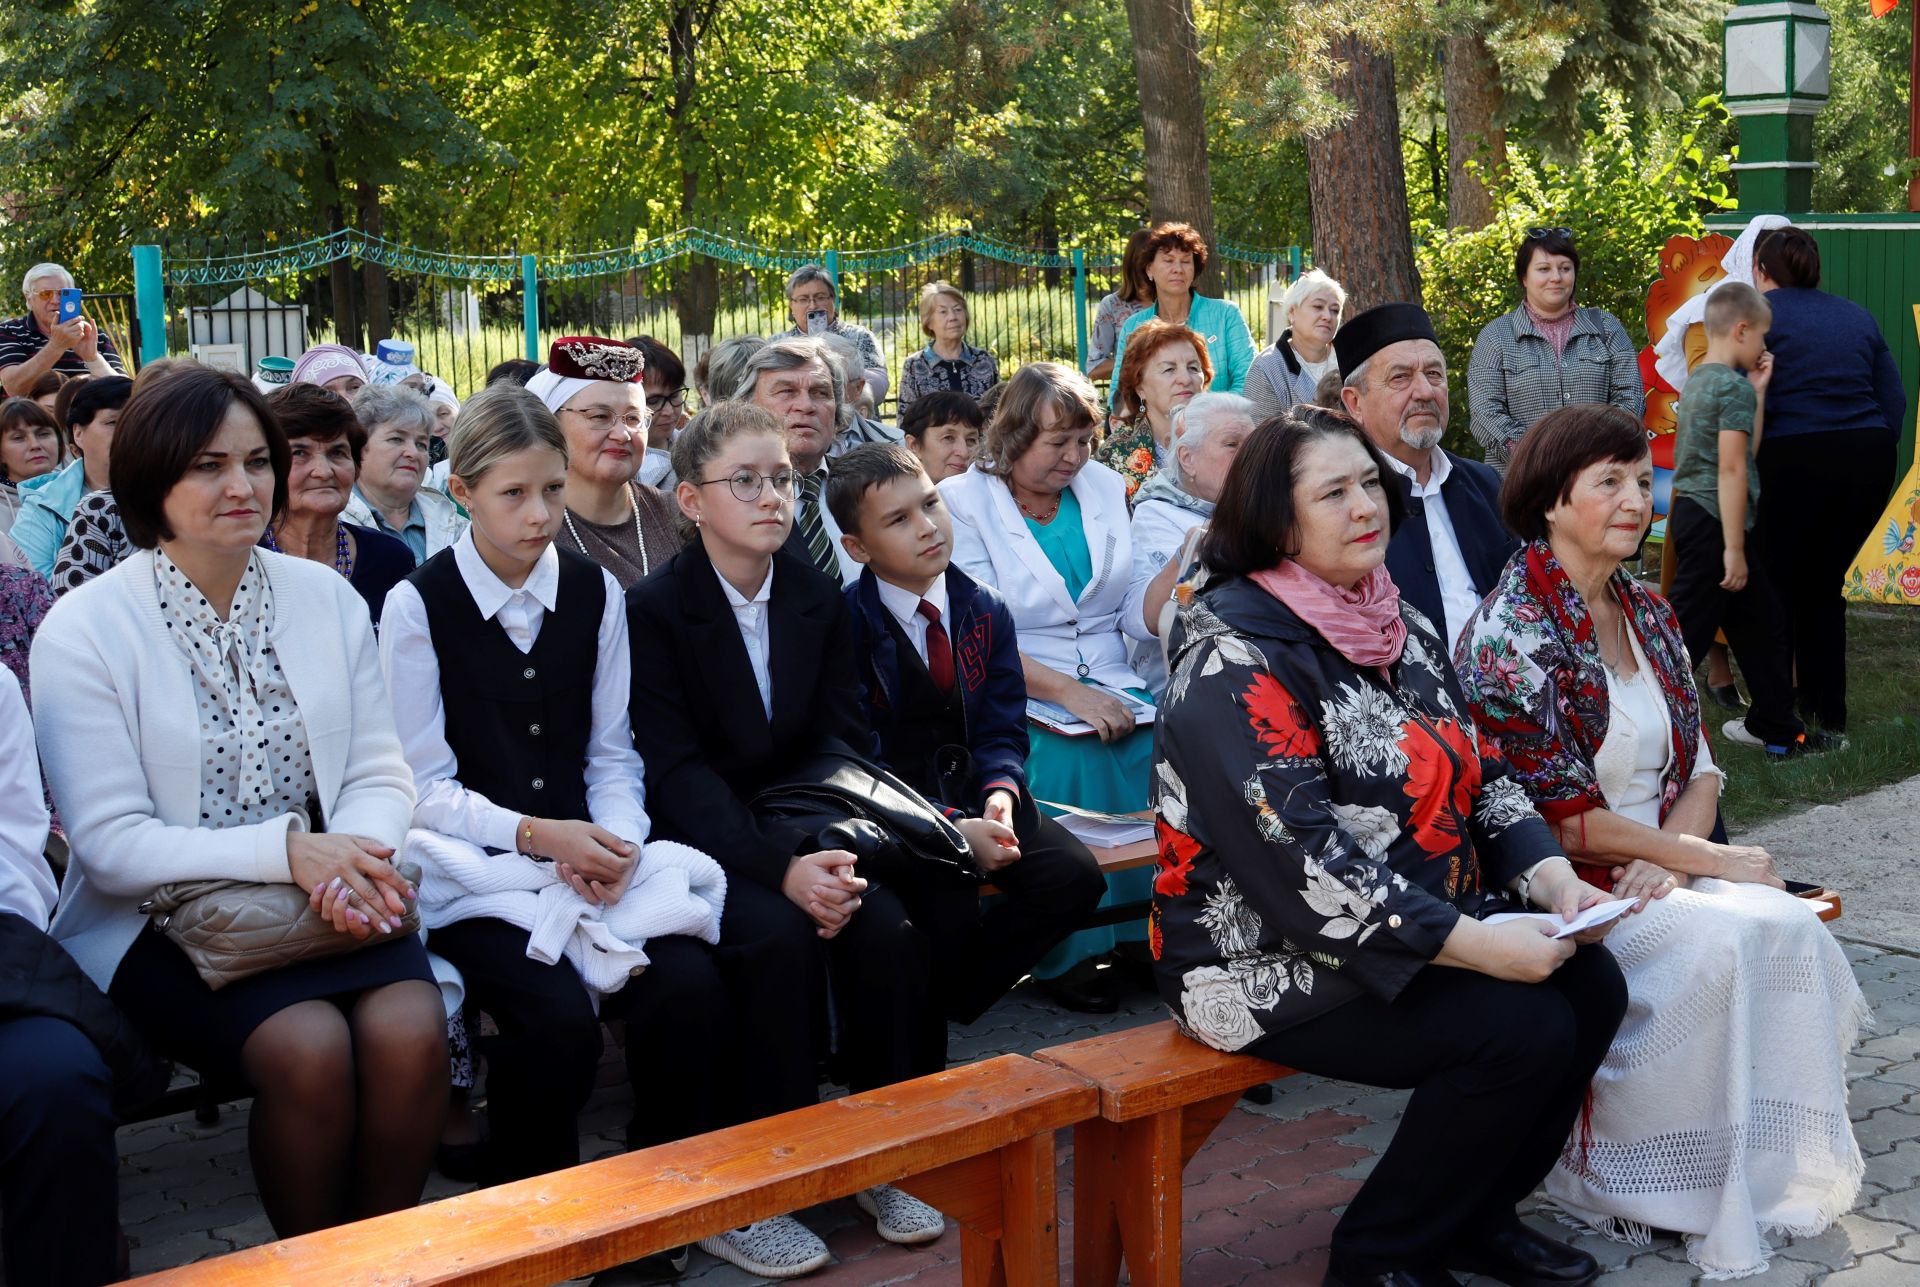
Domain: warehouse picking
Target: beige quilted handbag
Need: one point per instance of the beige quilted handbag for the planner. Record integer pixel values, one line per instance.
(233, 929)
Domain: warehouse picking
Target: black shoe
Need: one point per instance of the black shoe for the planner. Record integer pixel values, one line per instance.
(660, 1267)
(1087, 996)
(1727, 697)
(1339, 1275)
(1518, 1256)
(1815, 741)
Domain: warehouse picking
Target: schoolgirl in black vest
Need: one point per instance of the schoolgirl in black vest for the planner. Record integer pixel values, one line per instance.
(506, 661)
(743, 664)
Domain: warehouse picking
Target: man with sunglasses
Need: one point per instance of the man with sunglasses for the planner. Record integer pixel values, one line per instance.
(39, 342)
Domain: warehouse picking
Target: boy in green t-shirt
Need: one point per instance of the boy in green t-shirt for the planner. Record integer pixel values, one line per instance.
(1716, 491)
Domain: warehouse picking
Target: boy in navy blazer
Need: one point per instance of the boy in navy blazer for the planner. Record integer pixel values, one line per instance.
(947, 702)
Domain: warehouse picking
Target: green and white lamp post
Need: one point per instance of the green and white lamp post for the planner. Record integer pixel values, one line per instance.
(1776, 81)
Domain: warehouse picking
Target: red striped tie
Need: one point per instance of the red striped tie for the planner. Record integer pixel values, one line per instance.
(939, 649)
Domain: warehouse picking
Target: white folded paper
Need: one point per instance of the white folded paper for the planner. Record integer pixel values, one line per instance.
(1598, 914)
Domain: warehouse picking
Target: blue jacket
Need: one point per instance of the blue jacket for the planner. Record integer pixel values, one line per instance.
(1219, 323)
(46, 507)
(993, 685)
(1832, 369)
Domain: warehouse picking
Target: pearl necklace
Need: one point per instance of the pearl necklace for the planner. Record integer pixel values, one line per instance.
(638, 535)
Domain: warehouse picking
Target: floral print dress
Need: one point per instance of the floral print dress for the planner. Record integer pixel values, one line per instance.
(1322, 827)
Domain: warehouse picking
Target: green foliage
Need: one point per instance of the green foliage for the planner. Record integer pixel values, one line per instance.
(1861, 133)
(1638, 181)
(131, 116)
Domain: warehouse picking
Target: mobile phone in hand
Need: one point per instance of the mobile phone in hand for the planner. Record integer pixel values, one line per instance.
(817, 322)
(69, 305)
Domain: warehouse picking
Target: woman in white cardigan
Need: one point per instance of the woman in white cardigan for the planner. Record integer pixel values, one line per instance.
(222, 717)
(1045, 525)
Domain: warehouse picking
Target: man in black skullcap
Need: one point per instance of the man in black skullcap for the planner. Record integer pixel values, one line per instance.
(1452, 546)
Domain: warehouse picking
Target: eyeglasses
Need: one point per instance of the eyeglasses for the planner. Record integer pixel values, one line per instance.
(659, 401)
(43, 296)
(746, 485)
(604, 422)
(812, 300)
(1542, 233)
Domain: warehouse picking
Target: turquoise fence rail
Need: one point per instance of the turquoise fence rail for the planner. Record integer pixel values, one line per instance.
(236, 301)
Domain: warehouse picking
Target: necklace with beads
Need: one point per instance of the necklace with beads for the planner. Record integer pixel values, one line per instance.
(1039, 518)
(646, 565)
(342, 549)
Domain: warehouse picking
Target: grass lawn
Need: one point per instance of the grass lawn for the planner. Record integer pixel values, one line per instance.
(1883, 710)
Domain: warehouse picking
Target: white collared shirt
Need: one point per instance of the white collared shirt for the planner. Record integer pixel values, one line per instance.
(905, 607)
(849, 568)
(755, 631)
(1458, 598)
(614, 775)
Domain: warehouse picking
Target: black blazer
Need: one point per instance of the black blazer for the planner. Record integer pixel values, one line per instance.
(1472, 493)
(698, 724)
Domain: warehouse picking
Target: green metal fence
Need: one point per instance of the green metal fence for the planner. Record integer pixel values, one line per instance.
(234, 301)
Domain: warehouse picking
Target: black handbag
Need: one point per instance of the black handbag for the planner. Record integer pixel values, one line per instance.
(837, 784)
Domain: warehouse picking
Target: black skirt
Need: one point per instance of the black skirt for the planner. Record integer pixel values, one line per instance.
(158, 989)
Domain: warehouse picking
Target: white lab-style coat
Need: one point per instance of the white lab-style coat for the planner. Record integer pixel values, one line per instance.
(992, 544)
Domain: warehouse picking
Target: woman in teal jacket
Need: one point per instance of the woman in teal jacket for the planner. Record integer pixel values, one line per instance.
(1175, 257)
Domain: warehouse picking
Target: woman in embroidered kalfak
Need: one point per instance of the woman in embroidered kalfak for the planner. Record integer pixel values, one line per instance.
(1331, 832)
(1721, 1110)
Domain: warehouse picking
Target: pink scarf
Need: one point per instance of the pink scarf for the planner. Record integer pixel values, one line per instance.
(1363, 624)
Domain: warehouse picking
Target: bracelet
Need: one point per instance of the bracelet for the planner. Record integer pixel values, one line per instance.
(526, 836)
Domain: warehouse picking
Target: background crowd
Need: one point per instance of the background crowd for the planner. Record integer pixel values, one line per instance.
(547, 670)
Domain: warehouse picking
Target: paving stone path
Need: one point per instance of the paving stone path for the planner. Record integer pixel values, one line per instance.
(1261, 1198)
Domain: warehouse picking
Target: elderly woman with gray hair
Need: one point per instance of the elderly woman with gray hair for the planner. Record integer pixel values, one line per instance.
(1290, 372)
(388, 496)
(721, 370)
(813, 303)
(1171, 511)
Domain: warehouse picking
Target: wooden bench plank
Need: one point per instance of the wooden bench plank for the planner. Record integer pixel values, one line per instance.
(1161, 1095)
(1148, 1070)
(967, 1133)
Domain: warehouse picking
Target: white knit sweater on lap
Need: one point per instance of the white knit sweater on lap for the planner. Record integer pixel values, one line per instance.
(119, 734)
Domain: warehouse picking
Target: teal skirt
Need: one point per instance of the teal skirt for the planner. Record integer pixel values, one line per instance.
(1110, 778)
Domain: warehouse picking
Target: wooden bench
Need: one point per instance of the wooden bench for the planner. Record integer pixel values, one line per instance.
(1161, 1096)
(975, 1142)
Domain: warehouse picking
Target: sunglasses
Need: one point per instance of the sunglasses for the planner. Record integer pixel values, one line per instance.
(1542, 233)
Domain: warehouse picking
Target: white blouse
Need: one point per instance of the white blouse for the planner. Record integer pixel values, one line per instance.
(1639, 743)
(255, 760)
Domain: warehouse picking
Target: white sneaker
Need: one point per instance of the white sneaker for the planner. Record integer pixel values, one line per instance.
(778, 1248)
(1735, 730)
(900, 1217)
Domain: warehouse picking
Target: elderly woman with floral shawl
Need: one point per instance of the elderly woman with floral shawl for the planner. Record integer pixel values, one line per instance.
(1721, 1111)
(1331, 831)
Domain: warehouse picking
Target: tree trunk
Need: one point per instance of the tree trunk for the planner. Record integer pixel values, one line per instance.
(1357, 182)
(1474, 100)
(696, 290)
(346, 324)
(1166, 58)
(373, 277)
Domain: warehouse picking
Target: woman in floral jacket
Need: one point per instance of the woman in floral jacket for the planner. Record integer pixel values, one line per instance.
(1331, 832)
(1742, 1006)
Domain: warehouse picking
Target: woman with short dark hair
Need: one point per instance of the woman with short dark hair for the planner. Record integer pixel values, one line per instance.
(221, 717)
(1332, 832)
(1547, 353)
(1133, 293)
(1742, 1006)
(324, 440)
(1836, 409)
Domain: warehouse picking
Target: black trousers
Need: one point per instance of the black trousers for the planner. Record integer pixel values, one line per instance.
(980, 952)
(681, 1035)
(1499, 1072)
(59, 1170)
(1752, 617)
(1820, 495)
